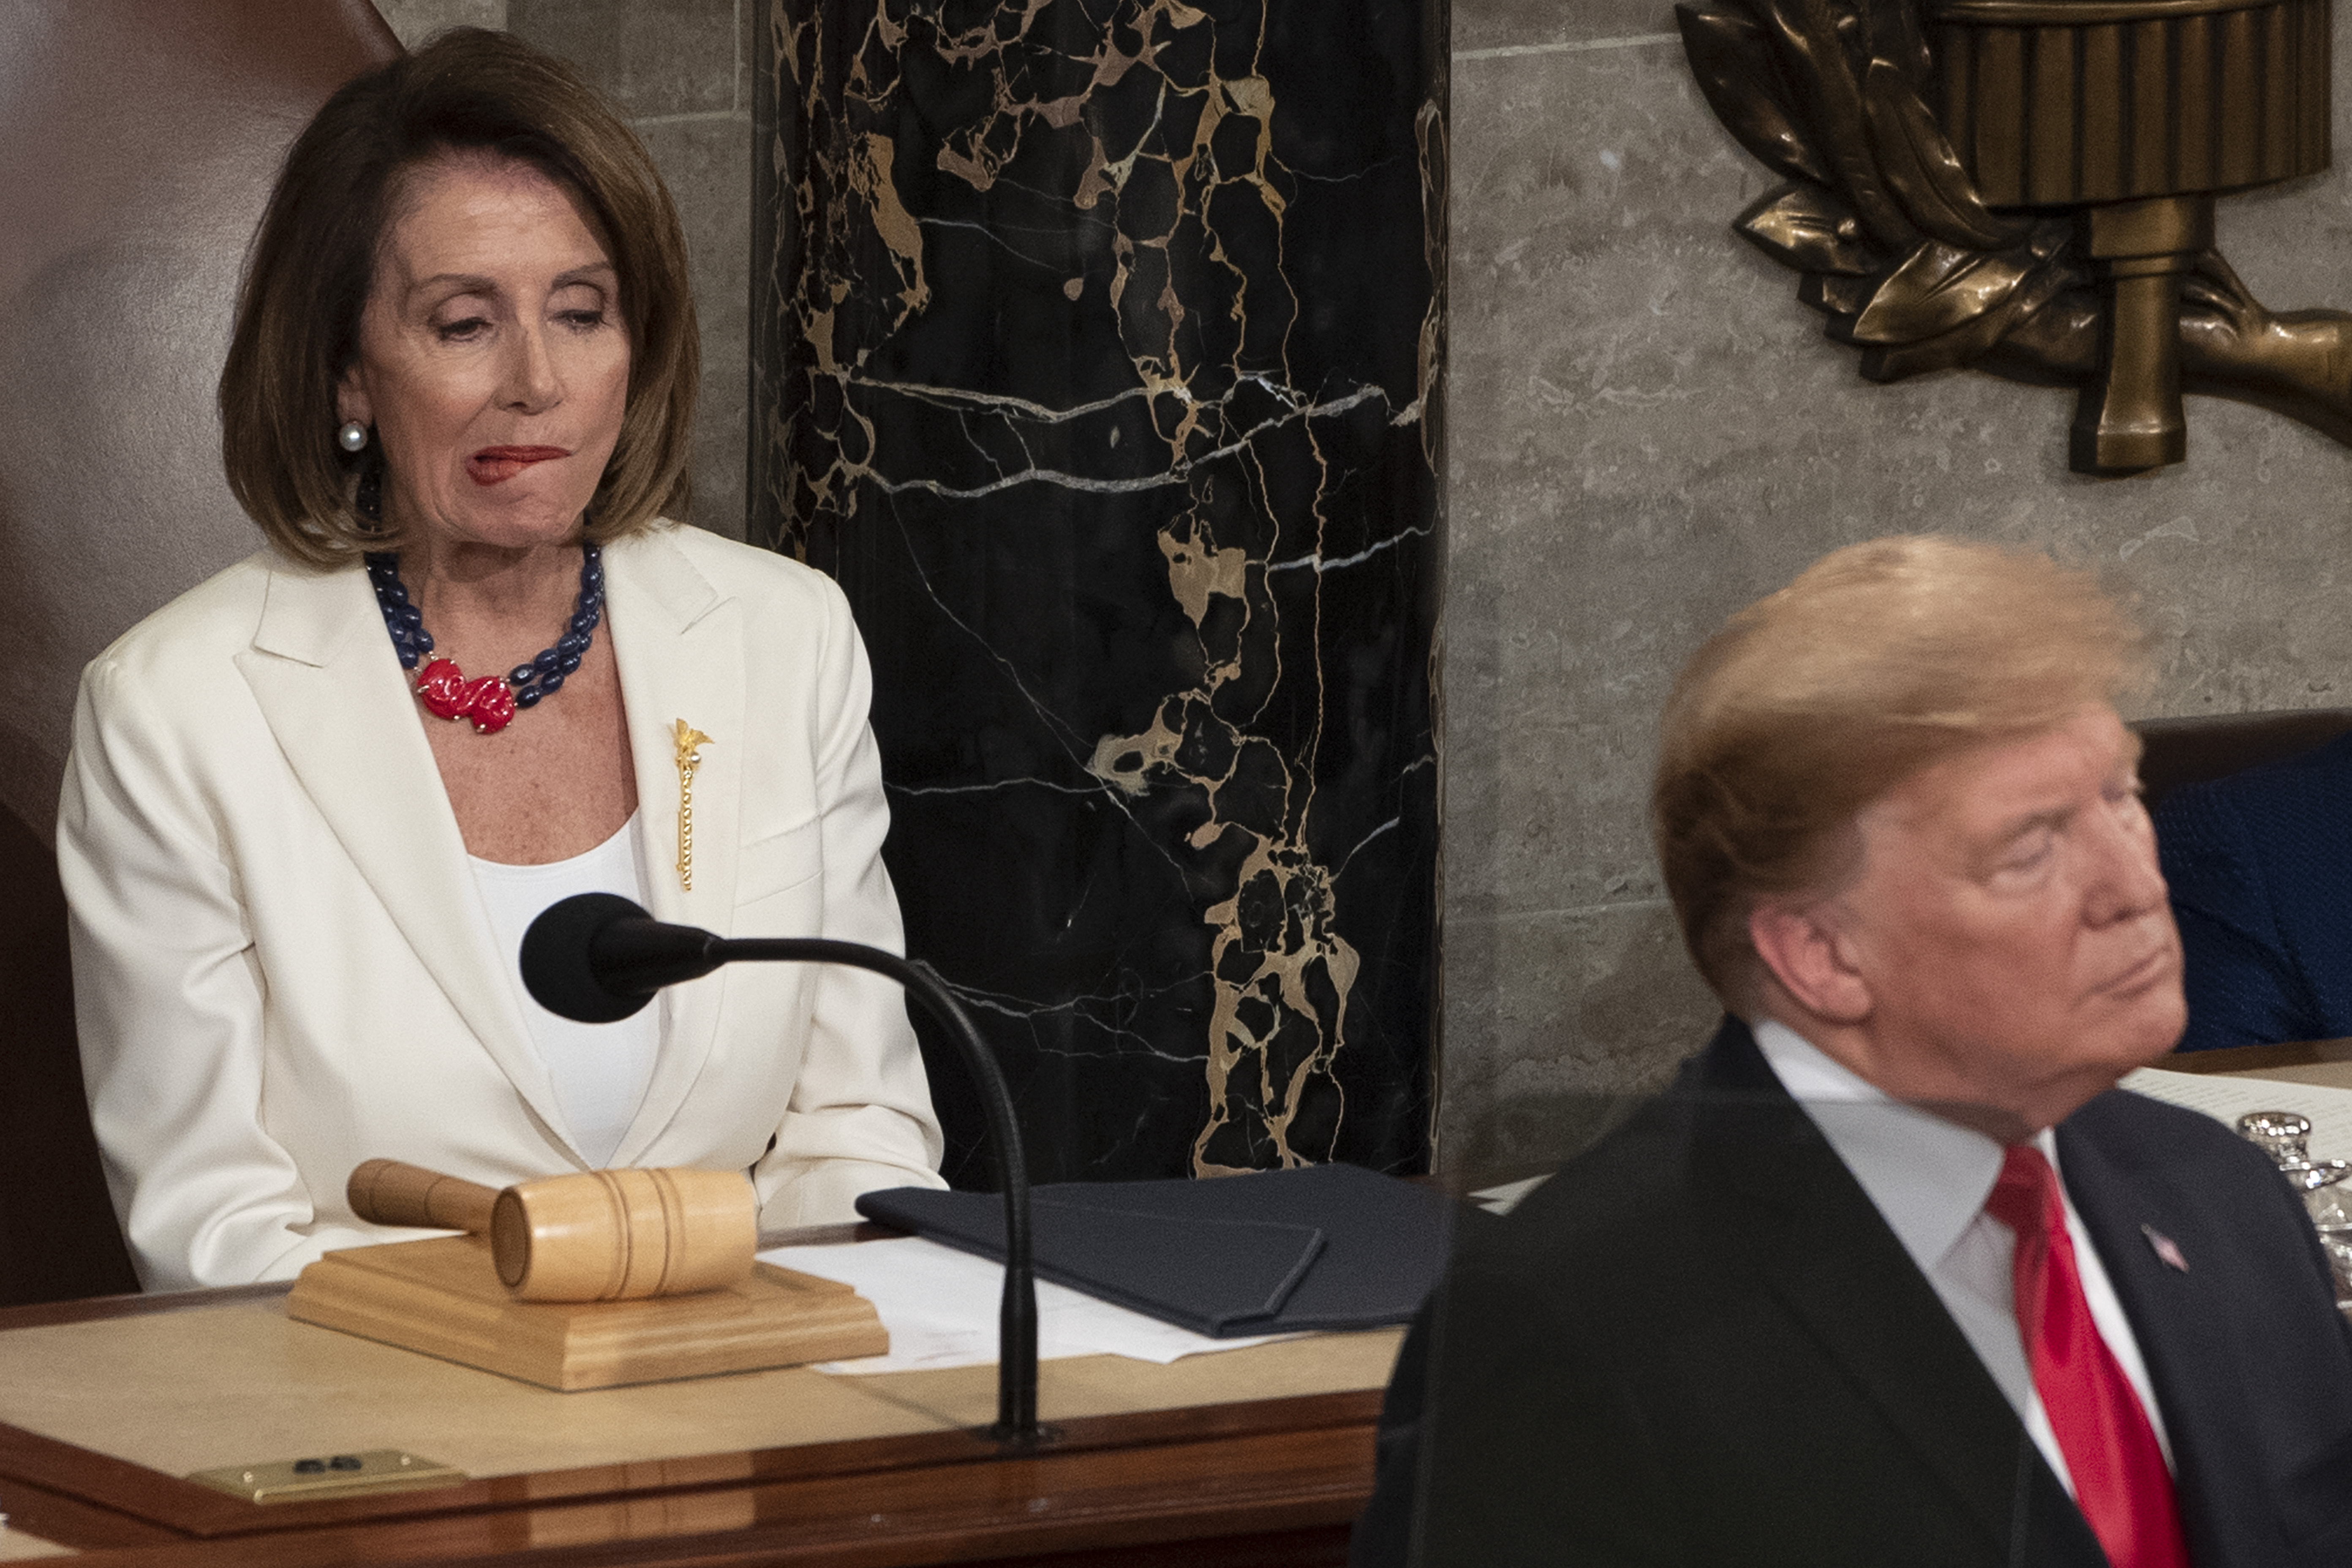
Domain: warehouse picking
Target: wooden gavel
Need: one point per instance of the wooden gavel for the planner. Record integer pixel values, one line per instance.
(592, 1235)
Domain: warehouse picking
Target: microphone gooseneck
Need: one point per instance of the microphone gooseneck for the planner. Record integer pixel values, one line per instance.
(598, 958)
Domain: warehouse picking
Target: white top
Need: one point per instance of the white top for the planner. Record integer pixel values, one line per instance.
(600, 1070)
(1929, 1178)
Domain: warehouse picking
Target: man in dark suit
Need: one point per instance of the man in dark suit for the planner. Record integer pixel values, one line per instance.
(1892, 1275)
(2261, 869)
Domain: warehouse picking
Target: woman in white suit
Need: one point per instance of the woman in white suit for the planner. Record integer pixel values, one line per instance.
(301, 833)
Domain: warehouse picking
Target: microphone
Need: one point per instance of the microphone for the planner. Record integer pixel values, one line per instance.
(598, 958)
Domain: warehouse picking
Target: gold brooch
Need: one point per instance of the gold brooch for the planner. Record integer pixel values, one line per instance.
(690, 740)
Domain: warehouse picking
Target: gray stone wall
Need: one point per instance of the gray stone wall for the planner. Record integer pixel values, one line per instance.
(1648, 431)
(680, 69)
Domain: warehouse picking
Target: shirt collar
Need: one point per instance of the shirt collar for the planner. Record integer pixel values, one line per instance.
(1929, 1177)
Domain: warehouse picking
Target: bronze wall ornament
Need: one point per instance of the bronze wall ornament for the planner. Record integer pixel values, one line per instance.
(2026, 186)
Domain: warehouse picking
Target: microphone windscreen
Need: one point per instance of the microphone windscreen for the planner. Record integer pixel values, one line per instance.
(556, 966)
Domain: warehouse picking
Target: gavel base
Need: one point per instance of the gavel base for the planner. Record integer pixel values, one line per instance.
(443, 1297)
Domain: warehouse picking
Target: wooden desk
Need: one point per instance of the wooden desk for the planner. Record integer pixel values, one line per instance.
(2324, 1062)
(1253, 1457)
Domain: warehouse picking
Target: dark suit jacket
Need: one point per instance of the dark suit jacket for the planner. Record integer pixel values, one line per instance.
(1700, 1344)
(2261, 869)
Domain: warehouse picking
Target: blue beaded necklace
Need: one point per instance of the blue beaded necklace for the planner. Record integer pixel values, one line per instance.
(489, 701)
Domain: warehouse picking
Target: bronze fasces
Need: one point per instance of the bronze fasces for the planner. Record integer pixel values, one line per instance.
(2129, 415)
(2027, 187)
(2056, 103)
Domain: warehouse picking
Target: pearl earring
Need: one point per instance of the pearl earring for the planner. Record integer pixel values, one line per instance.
(353, 435)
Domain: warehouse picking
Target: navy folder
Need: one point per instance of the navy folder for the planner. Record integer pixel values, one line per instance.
(1324, 1247)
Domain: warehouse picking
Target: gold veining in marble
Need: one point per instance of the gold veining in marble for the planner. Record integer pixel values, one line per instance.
(1212, 373)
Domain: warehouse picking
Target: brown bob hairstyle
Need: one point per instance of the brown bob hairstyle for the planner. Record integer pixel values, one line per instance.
(312, 261)
(1880, 660)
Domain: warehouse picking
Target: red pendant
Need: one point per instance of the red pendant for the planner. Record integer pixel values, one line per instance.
(487, 700)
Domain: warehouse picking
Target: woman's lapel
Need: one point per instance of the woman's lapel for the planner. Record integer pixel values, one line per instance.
(326, 680)
(679, 642)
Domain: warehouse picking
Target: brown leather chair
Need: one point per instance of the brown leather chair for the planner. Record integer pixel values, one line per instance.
(137, 145)
(2215, 745)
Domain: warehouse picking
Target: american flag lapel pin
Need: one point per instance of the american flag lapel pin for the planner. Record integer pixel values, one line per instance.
(2168, 1251)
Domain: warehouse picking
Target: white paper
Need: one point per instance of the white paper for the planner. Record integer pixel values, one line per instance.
(2225, 1100)
(941, 1308)
(1504, 1198)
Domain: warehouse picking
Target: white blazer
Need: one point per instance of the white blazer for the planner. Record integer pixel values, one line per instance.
(281, 965)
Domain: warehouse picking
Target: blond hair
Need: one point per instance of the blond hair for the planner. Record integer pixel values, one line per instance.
(1879, 660)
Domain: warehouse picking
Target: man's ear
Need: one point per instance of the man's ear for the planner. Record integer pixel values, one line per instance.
(1804, 950)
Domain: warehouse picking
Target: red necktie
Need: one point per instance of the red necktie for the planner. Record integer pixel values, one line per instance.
(2120, 1480)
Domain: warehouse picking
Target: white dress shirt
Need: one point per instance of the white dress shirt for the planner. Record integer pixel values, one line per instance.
(1929, 1178)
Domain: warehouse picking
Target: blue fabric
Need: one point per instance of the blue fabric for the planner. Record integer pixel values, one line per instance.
(2260, 865)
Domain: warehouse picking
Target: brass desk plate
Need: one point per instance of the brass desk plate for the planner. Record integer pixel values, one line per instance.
(361, 1474)
(443, 1297)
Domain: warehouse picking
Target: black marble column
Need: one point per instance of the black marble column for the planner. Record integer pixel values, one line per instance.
(1099, 359)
